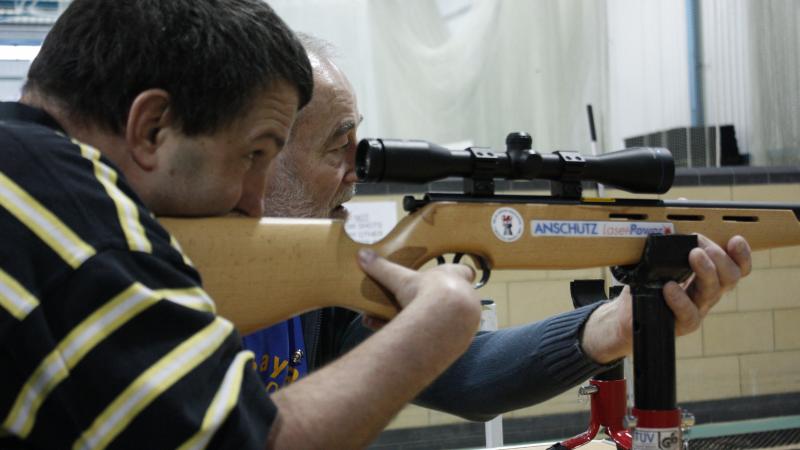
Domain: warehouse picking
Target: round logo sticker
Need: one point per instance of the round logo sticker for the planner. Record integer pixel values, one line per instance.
(507, 224)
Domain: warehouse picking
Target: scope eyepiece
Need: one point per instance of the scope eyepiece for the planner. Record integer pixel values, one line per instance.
(409, 161)
(369, 160)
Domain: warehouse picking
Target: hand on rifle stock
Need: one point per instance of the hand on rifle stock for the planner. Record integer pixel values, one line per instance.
(608, 333)
(439, 315)
(449, 285)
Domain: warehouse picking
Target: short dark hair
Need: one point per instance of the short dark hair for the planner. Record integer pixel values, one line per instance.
(212, 56)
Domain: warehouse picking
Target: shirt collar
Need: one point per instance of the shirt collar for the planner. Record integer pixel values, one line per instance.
(25, 113)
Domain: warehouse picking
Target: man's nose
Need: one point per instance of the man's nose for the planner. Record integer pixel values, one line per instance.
(251, 202)
(350, 163)
(251, 206)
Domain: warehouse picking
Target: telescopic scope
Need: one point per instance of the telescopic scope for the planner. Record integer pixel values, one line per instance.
(638, 170)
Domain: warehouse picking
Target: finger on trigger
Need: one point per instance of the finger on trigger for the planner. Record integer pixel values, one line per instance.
(470, 272)
(460, 270)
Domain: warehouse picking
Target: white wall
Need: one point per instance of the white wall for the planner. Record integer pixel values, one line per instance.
(648, 87)
(12, 76)
(629, 58)
(472, 70)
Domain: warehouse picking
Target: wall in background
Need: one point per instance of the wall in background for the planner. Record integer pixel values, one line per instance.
(463, 70)
(456, 70)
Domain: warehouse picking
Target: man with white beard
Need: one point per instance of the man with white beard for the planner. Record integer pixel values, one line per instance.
(503, 370)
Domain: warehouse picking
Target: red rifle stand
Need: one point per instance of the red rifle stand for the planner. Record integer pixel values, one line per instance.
(656, 420)
(607, 410)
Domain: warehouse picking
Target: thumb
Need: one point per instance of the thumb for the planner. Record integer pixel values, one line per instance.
(392, 276)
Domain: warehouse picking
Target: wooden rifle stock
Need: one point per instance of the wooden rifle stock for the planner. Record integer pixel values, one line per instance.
(260, 272)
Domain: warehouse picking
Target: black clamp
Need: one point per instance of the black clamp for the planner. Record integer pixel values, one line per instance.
(484, 166)
(569, 185)
(664, 259)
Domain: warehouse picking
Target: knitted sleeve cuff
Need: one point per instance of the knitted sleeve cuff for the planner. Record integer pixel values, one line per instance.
(561, 349)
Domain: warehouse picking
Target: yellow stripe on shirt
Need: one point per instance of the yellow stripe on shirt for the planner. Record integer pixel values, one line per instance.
(127, 211)
(43, 223)
(224, 401)
(14, 298)
(177, 246)
(191, 297)
(81, 340)
(152, 383)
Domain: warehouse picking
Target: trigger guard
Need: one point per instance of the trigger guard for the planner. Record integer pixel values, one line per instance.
(486, 272)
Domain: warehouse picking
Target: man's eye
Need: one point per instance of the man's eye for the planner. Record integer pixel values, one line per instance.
(334, 150)
(255, 154)
(345, 146)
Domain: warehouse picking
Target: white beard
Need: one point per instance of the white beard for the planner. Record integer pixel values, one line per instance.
(290, 198)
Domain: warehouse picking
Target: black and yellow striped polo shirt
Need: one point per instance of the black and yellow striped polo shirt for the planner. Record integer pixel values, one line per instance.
(106, 338)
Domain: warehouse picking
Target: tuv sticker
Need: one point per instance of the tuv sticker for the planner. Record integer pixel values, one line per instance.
(507, 224)
(581, 228)
(657, 439)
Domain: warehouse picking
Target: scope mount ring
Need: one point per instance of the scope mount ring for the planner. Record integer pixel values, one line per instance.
(486, 272)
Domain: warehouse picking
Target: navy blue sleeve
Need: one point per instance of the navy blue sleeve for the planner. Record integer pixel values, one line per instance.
(510, 368)
(514, 368)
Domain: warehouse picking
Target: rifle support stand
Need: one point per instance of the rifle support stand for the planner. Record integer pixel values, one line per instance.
(656, 421)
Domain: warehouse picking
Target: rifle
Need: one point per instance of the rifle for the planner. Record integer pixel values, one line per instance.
(262, 271)
(646, 241)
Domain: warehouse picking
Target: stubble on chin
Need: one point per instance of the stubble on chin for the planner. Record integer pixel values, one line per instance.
(289, 197)
(337, 211)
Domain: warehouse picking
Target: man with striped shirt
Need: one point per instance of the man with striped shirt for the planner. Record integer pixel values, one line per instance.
(137, 108)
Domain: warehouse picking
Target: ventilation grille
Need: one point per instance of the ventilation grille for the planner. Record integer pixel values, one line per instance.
(774, 440)
(695, 146)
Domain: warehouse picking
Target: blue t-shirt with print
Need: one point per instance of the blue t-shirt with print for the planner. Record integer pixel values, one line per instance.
(280, 353)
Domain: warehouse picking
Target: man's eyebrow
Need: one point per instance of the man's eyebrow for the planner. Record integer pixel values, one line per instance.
(346, 126)
(280, 141)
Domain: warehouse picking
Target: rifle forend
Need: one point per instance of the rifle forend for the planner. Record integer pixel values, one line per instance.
(260, 272)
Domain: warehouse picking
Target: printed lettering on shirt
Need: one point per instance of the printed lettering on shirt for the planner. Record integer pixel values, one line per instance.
(281, 373)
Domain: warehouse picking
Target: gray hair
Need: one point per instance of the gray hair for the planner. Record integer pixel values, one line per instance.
(317, 46)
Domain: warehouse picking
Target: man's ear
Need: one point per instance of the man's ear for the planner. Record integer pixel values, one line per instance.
(149, 114)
